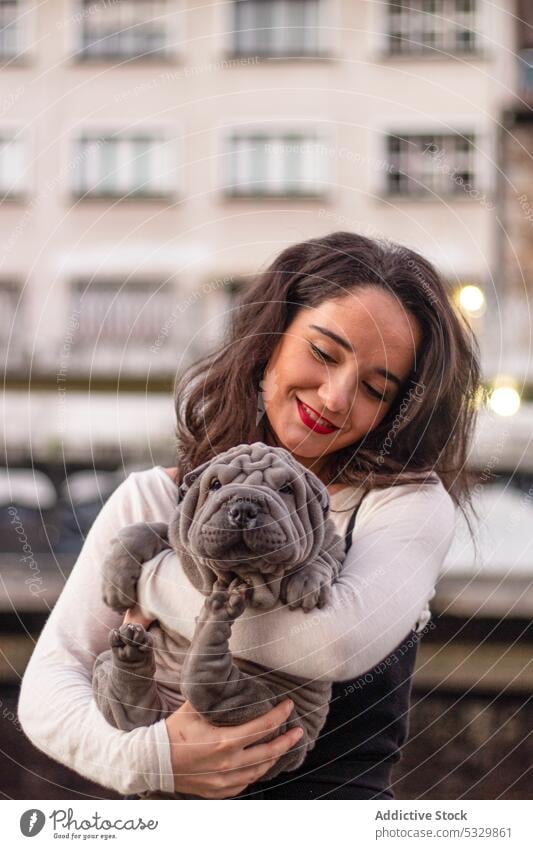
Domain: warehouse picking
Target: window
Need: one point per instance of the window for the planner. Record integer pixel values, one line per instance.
(430, 164)
(9, 29)
(11, 332)
(423, 26)
(12, 177)
(276, 27)
(120, 323)
(525, 74)
(262, 164)
(119, 166)
(123, 28)
(8, 306)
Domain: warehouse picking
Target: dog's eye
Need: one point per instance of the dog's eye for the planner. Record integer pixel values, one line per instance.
(286, 489)
(215, 484)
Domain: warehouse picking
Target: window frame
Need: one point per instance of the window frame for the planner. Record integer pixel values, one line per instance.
(328, 12)
(14, 355)
(168, 136)
(24, 136)
(274, 130)
(380, 39)
(175, 36)
(27, 38)
(485, 153)
(441, 183)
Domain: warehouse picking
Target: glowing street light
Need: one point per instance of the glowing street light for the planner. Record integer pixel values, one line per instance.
(472, 300)
(504, 399)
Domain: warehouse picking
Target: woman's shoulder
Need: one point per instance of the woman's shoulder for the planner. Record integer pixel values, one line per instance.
(145, 492)
(151, 473)
(426, 502)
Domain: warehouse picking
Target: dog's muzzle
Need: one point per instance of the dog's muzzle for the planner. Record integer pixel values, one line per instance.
(242, 514)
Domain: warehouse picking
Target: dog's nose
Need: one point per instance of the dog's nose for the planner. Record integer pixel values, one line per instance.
(242, 514)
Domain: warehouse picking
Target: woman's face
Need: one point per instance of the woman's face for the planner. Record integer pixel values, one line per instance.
(349, 381)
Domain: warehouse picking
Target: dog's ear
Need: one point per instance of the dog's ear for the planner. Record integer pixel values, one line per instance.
(190, 478)
(318, 489)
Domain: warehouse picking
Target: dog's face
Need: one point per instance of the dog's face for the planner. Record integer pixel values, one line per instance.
(253, 507)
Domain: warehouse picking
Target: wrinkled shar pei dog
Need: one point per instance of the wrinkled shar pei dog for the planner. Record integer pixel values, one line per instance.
(252, 530)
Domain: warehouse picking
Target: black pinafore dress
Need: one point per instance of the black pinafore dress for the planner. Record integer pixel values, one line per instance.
(367, 725)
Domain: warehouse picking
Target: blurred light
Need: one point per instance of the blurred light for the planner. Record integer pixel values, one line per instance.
(472, 300)
(504, 399)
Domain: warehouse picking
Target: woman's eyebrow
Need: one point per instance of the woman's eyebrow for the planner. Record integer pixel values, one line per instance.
(338, 339)
(388, 375)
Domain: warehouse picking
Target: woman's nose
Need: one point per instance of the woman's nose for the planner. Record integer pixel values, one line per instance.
(337, 397)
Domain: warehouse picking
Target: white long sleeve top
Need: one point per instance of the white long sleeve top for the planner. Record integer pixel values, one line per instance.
(387, 580)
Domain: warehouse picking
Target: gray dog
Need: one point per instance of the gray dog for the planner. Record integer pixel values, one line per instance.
(251, 529)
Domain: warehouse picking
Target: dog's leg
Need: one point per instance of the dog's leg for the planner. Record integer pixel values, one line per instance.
(123, 680)
(218, 689)
(133, 545)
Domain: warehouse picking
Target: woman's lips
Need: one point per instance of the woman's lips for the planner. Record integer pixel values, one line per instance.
(310, 422)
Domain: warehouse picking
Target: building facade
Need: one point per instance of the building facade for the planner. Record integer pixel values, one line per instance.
(155, 153)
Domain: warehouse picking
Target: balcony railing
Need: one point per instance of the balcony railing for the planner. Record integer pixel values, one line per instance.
(131, 329)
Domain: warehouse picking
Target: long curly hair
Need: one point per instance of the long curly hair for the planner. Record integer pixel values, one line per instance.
(428, 428)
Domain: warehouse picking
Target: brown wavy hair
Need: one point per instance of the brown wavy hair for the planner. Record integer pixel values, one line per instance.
(426, 430)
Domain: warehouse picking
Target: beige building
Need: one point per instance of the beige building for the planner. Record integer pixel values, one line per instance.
(516, 146)
(155, 152)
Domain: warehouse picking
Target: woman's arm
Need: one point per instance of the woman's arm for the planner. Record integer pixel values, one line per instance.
(56, 706)
(388, 577)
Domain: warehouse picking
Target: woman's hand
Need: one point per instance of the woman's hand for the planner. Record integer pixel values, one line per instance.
(134, 616)
(212, 761)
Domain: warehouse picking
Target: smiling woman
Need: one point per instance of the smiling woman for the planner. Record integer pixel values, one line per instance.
(355, 360)
(363, 367)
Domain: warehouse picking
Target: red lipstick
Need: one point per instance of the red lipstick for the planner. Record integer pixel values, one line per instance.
(311, 423)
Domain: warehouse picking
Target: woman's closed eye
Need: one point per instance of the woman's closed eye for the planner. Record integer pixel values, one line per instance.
(321, 355)
(379, 395)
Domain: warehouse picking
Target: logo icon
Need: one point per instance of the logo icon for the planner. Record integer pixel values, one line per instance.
(32, 822)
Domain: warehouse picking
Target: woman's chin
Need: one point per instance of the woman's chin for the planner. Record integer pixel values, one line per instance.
(302, 449)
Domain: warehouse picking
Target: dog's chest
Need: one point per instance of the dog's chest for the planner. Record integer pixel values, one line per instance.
(169, 654)
(170, 648)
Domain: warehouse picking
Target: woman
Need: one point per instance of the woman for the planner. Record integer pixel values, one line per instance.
(369, 377)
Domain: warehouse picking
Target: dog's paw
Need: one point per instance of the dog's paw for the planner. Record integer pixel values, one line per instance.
(238, 596)
(120, 597)
(305, 589)
(226, 605)
(121, 568)
(120, 575)
(130, 643)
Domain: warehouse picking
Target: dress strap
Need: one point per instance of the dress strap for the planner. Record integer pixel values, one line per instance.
(349, 530)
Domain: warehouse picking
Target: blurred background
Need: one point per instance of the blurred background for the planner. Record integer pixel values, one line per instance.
(154, 154)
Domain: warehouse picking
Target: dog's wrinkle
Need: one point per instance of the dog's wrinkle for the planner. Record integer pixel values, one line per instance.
(256, 541)
(265, 529)
(288, 530)
(222, 498)
(217, 520)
